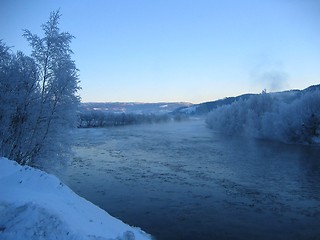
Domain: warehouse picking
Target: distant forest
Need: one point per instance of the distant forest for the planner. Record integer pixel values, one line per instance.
(97, 118)
(291, 116)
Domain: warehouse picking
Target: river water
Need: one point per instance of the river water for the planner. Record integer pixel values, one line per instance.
(185, 181)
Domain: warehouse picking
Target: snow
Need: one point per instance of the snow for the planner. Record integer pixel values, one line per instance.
(189, 110)
(37, 205)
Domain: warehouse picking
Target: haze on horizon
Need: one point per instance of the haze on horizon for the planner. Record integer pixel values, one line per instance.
(181, 51)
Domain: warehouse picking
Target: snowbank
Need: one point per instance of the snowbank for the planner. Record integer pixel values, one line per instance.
(36, 205)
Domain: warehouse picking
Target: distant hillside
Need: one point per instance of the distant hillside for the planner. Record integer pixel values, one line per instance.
(132, 107)
(182, 108)
(206, 107)
(290, 116)
(312, 88)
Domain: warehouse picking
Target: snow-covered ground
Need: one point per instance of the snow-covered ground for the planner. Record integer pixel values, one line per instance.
(37, 205)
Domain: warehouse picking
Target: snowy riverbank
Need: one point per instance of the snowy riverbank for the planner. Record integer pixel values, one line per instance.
(37, 205)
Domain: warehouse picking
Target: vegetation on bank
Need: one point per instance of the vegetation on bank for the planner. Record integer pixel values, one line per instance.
(38, 96)
(95, 118)
(288, 117)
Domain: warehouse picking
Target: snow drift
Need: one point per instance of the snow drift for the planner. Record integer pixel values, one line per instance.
(37, 205)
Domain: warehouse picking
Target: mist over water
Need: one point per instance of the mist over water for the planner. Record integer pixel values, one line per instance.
(184, 181)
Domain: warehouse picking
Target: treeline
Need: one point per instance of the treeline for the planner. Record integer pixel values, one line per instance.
(286, 117)
(96, 118)
(38, 96)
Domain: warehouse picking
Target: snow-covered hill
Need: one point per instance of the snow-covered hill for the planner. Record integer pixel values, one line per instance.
(206, 107)
(37, 205)
(136, 108)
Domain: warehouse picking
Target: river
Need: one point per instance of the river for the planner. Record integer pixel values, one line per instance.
(185, 181)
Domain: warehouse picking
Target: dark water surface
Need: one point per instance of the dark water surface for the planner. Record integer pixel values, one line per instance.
(184, 181)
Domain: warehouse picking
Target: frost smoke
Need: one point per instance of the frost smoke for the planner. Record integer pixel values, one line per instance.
(274, 80)
(270, 75)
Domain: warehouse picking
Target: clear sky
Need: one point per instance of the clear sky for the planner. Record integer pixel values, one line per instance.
(179, 50)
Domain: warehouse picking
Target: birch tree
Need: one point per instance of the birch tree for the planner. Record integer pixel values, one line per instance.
(58, 86)
(38, 96)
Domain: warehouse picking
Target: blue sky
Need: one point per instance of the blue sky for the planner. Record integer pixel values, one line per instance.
(179, 50)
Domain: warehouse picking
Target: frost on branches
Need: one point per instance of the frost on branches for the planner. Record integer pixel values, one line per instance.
(38, 96)
(285, 117)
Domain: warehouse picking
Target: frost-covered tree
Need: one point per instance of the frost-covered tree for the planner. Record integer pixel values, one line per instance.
(299, 121)
(271, 116)
(58, 86)
(18, 97)
(39, 96)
